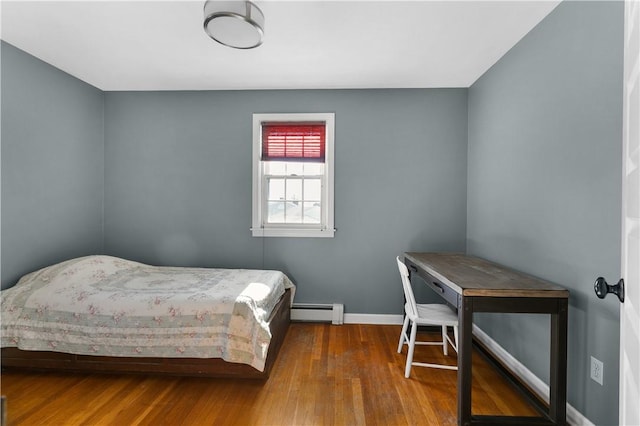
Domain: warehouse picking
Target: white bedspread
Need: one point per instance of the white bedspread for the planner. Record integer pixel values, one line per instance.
(102, 305)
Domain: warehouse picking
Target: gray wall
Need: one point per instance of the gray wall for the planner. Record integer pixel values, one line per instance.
(544, 186)
(178, 185)
(52, 165)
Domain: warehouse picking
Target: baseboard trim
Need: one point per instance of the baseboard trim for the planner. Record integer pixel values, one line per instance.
(574, 417)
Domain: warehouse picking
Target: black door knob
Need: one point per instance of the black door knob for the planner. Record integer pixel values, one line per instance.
(602, 288)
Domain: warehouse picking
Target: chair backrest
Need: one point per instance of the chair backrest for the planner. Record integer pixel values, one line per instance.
(406, 286)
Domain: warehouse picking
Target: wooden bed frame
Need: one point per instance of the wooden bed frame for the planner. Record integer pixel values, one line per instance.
(201, 367)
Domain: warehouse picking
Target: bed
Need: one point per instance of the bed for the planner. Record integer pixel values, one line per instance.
(106, 314)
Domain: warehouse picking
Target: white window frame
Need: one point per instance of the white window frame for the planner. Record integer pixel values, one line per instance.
(259, 226)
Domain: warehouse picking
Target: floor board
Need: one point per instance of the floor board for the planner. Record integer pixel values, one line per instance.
(324, 375)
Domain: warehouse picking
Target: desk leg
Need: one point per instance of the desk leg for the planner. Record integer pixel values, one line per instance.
(465, 323)
(558, 366)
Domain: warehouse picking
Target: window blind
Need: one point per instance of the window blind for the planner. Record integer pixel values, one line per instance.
(293, 142)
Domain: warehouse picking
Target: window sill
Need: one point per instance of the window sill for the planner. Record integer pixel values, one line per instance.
(292, 232)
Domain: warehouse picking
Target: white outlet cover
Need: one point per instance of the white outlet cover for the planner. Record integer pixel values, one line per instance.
(597, 370)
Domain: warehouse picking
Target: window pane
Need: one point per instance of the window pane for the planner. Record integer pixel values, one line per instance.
(295, 169)
(312, 189)
(311, 212)
(313, 169)
(276, 189)
(294, 212)
(276, 168)
(294, 189)
(276, 212)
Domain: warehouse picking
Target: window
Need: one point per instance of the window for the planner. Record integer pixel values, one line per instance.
(293, 175)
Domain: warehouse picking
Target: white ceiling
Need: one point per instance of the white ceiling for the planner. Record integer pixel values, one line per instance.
(161, 45)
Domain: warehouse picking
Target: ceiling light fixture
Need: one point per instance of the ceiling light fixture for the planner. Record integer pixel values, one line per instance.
(237, 24)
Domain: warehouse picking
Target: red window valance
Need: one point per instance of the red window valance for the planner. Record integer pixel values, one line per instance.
(293, 142)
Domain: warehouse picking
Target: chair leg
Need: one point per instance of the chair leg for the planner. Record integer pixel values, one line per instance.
(455, 336)
(445, 346)
(404, 333)
(412, 345)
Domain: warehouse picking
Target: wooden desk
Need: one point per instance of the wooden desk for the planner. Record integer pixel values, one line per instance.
(475, 285)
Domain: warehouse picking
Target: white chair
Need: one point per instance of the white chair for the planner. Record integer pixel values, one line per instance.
(425, 314)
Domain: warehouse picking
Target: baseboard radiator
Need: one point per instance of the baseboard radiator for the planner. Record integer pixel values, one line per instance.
(316, 312)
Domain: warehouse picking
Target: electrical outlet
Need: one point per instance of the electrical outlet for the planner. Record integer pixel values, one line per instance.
(597, 370)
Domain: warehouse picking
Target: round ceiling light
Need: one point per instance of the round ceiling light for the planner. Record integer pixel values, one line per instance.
(237, 24)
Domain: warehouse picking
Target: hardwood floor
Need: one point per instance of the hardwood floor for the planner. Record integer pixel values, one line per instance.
(324, 375)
